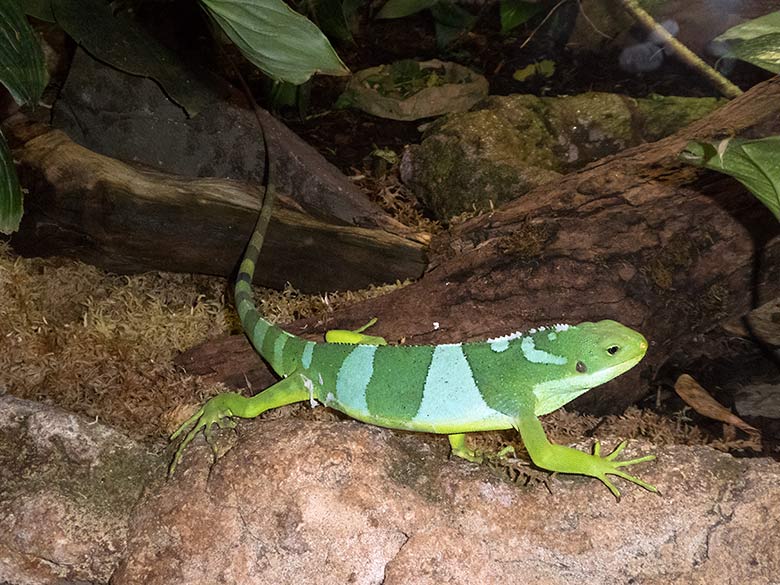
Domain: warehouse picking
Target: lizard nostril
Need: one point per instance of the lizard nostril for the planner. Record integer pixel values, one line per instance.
(613, 349)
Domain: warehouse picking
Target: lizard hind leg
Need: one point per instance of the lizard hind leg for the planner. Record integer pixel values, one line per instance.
(356, 336)
(224, 408)
(459, 448)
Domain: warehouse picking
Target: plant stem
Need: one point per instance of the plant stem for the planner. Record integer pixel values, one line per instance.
(687, 56)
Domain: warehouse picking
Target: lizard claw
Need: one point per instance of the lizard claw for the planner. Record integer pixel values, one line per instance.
(215, 411)
(607, 465)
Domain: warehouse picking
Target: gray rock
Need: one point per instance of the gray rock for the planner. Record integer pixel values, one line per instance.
(304, 502)
(509, 145)
(130, 118)
(67, 488)
(762, 323)
(343, 502)
(758, 400)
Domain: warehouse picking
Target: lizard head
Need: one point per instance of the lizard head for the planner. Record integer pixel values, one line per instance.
(585, 356)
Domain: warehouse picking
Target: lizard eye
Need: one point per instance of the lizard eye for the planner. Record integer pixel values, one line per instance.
(613, 349)
(581, 367)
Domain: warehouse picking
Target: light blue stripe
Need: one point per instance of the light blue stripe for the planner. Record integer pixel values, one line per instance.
(451, 396)
(353, 378)
(279, 348)
(243, 308)
(258, 333)
(500, 345)
(308, 352)
(539, 356)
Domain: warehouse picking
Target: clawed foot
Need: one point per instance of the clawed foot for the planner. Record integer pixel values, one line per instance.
(477, 456)
(216, 411)
(607, 465)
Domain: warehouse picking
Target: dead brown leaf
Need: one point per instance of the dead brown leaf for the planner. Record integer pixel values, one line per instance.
(702, 402)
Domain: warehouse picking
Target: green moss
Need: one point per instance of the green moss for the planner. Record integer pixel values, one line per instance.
(476, 161)
(715, 302)
(511, 144)
(662, 116)
(590, 126)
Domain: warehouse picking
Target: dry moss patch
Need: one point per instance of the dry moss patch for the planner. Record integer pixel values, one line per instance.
(102, 345)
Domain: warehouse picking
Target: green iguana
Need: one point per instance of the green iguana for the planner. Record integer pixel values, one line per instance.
(451, 389)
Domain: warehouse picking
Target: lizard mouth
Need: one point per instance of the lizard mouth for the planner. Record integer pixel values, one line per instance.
(552, 395)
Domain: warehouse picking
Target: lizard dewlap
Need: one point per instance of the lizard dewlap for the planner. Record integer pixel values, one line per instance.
(500, 383)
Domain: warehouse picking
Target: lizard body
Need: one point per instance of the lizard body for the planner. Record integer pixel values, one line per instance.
(450, 389)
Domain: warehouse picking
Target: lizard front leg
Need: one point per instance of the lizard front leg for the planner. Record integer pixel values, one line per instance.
(567, 460)
(223, 408)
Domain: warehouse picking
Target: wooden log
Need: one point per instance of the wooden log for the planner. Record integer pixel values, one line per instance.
(127, 219)
(640, 237)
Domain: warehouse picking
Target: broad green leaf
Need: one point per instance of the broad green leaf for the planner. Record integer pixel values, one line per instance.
(349, 8)
(282, 43)
(754, 163)
(758, 27)
(763, 51)
(451, 21)
(119, 41)
(22, 70)
(10, 192)
(401, 8)
(524, 72)
(516, 12)
(756, 41)
(332, 17)
(40, 9)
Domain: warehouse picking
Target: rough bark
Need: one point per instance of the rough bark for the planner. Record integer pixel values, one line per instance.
(639, 237)
(129, 219)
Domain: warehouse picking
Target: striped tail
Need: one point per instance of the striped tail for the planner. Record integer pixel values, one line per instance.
(268, 339)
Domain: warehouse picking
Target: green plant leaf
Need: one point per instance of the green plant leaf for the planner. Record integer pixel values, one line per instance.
(544, 68)
(10, 192)
(451, 21)
(40, 9)
(401, 8)
(280, 42)
(756, 41)
(754, 163)
(516, 12)
(119, 41)
(21, 59)
(758, 27)
(763, 51)
(332, 18)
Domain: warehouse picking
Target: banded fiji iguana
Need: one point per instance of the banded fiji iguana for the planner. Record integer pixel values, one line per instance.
(451, 389)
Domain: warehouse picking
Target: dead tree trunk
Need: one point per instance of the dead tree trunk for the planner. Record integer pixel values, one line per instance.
(129, 219)
(639, 237)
